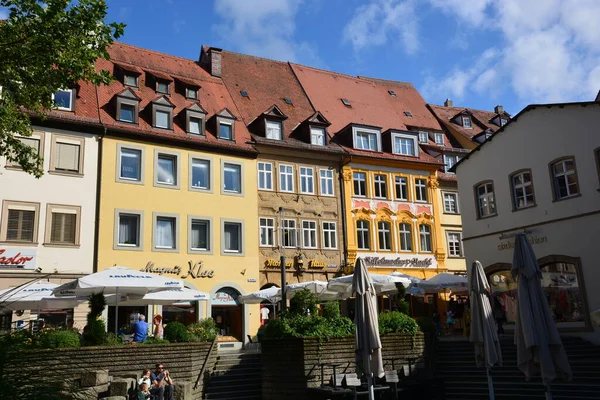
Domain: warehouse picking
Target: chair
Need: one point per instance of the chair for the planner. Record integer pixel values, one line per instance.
(392, 377)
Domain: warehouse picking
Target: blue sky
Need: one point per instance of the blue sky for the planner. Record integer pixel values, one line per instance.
(479, 53)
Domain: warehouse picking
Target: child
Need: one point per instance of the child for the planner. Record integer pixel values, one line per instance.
(450, 321)
(143, 393)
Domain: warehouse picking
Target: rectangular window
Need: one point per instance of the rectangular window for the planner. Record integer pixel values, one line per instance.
(195, 126)
(63, 100)
(162, 87)
(166, 173)
(267, 231)
(63, 228)
(522, 188)
(131, 164)
(401, 188)
(449, 161)
(232, 178)
(130, 80)
(425, 234)
(200, 174)
(360, 183)
(286, 178)
(466, 122)
(404, 145)
(232, 237)
(288, 232)
(127, 113)
(191, 93)
(454, 244)
(439, 139)
(503, 121)
(423, 137)
(565, 179)
(451, 203)
(129, 230)
(405, 237)
(309, 234)
(199, 235)
(366, 141)
(363, 235)
(329, 235)
(66, 157)
(307, 177)
(225, 131)
(317, 136)
(162, 119)
(265, 176)
(326, 176)
(165, 233)
(385, 236)
(380, 186)
(273, 130)
(21, 225)
(421, 190)
(486, 204)
(35, 142)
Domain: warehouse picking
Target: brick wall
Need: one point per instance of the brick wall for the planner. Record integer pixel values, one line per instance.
(183, 360)
(290, 366)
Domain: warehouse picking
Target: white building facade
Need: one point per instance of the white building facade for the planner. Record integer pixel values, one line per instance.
(539, 174)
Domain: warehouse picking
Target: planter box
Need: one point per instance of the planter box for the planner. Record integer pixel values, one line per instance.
(291, 366)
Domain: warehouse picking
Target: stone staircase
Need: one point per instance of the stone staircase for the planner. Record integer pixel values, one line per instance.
(464, 380)
(236, 376)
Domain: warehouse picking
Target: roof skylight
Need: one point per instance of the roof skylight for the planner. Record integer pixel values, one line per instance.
(408, 114)
(288, 100)
(244, 93)
(392, 93)
(346, 102)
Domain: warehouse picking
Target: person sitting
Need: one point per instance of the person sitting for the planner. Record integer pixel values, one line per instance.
(140, 329)
(163, 386)
(143, 392)
(145, 378)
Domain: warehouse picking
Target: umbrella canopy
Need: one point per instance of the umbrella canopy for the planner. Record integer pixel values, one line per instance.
(413, 288)
(442, 282)
(35, 296)
(272, 294)
(381, 283)
(539, 347)
(318, 288)
(164, 297)
(368, 343)
(483, 326)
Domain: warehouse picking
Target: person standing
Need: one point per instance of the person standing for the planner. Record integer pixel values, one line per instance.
(264, 315)
(163, 386)
(499, 315)
(140, 329)
(467, 321)
(158, 328)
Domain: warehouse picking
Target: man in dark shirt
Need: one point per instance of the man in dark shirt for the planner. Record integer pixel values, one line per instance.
(162, 385)
(140, 329)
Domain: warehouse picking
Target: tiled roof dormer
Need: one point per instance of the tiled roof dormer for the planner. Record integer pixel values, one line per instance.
(270, 124)
(162, 113)
(223, 125)
(313, 130)
(127, 106)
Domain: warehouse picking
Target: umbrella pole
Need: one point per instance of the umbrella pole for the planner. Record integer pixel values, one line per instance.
(548, 392)
(117, 313)
(490, 384)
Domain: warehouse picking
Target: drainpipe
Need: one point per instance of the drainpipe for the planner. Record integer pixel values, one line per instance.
(343, 201)
(98, 187)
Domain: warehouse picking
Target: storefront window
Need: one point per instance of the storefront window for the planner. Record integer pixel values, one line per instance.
(185, 313)
(562, 289)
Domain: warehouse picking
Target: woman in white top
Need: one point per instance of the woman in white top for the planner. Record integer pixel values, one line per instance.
(145, 378)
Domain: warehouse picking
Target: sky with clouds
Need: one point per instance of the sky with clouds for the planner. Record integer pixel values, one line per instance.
(479, 53)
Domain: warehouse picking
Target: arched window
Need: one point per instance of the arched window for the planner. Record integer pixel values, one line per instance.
(564, 178)
(405, 230)
(363, 235)
(385, 235)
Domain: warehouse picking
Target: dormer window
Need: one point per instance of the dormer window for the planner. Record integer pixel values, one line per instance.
(127, 107)
(130, 80)
(503, 121)
(317, 136)
(449, 161)
(439, 139)
(195, 117)
(162, 87)
(225, 125)
(466, 122)
(366, 139)
(127, 113)
(162, 119)
(273, 130)
(405, 145)
(162, 113)
(423, 137)
(191, 93)
(63, 99)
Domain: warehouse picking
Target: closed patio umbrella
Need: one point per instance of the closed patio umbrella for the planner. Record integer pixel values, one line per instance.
(539, 346)
(483, 327)
(368, 343)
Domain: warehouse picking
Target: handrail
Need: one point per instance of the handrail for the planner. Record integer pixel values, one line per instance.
(205, 363)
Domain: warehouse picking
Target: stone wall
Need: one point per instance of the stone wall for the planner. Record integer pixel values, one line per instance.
(183, 360)
(290, 366)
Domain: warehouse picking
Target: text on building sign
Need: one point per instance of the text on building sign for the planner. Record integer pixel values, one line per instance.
(532, 239)
(194, 270)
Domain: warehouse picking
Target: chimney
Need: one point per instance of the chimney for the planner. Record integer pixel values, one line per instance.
(214, 61)
(499, 110)
(448, 103)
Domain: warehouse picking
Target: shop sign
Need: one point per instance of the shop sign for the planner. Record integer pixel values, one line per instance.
(223, 298)
(195, 270)
(15, 258)
(532, 239)
(289, 263)
(397, 261)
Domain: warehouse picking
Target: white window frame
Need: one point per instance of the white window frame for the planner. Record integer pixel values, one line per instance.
(503, 121)
(176, 232)
(331, 233)
(563, 175)
(377, 183)
(439, 136)
(270, 125)
(312, 232)
(360, 231)
(209, 234)
(209, 161)
(71, 99)
(266, 228)
(427, 234)
(117, 245)
(315, 133)
(420, 190)
(402, 233)
(520, 184)
(447, 164)
(326, 176)
(490, 199)
(265, 178)
(400, 137)
(69, 140)
(423, 137)
(384, 229)
(286, 227)
(38, 136)
(242, 238)
(456, 204)
(396, 184)
(367, 131)
(177, 164)
(286, 174)
(467, 123)
(452, 243)
(363, 179)
(307, 175)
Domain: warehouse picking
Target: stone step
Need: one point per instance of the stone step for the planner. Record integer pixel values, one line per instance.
(234, 394)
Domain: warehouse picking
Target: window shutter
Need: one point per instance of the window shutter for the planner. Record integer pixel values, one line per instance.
(67, 157)
(20, 225)
(63, 228)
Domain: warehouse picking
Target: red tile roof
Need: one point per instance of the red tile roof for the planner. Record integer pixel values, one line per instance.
(481, 119)
(213, 96)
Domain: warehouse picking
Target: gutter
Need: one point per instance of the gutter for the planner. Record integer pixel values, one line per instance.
(98, 199)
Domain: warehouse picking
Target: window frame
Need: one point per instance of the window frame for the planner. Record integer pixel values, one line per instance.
(271, 228)
(460, 244)
(282, 228)
(209, 236)
(72, 96)
(428, 234)
(287, 174)
(411, 137)
(478, 205)
(25, 206)
(198, 115)
(163, 82)
(142, 150)
(121, 101)
(116, 244)
(265, 173)
(321, 178)
(156, 108)
(417, 186)
(131, 75)
(189, 89)
(75, 210)
(446, 166)
(210, 161)
(407, 186)
(376, 183)
(513, 188)
(242, 191)
(389, 231)
(221, 120)
(368, 131)
(365, 183)
(410, 236)
(177, 231)
(368, 230)
(309, 177)
(61, 138)
(464, 123)
(423, 137)
(315, 231)
(242, 238)
(456, 201)
(322, 132)
(273, 122)
(329, 232)
(171, 154)
(555, 197)
(36, 135)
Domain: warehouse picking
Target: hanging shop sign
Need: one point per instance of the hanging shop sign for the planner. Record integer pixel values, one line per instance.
(532, 239)
(225, 297)
(16, 258)
(398, 261)
(193, 270)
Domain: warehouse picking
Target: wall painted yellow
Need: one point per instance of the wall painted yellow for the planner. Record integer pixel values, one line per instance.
(239, 272)
(450, 223)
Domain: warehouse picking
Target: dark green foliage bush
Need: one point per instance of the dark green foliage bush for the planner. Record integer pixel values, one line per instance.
(176, 332)
(113, 340)
(396, 322)
(304, 303)
(94, 333)
(402, 305)
(56, 339)
(332, 310)
(426, 325)
(152, 340)
(204, 330)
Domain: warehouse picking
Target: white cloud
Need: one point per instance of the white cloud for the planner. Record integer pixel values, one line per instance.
(471, 11)
(381, 21)
(263, 28)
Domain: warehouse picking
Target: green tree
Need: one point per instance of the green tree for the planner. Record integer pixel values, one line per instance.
(46, 46)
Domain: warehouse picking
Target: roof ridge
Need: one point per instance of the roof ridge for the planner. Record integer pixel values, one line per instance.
(155, 52)
(330, 72)
(253, 56)
(384, 80)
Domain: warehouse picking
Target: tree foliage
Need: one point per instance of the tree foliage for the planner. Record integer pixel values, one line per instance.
(46, 46)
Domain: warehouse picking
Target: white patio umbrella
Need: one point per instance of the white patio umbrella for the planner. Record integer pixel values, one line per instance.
(381, 283)
(318, 288)
(483, 327)
(272, 295)
(164, 297)
(368, 343)
(539, 347)
(442, 282)
(118, 280)
(35, 296)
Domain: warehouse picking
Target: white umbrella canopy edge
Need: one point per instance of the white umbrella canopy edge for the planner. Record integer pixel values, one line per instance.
(442, 282)
(272, 295)
(35, 295)
(382, 283)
